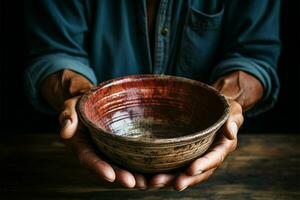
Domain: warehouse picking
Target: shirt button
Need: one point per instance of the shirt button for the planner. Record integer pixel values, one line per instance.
(164, 31)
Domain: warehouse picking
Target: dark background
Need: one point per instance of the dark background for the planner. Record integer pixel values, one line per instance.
(18, 116)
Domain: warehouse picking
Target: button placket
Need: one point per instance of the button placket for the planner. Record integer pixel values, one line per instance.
(143, 24)
(164, 31)
(162, 37)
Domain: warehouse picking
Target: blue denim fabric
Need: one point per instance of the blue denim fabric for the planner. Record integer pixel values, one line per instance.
(198, 39)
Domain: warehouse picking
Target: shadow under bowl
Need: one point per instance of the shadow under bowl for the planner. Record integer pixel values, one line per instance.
(153, 123)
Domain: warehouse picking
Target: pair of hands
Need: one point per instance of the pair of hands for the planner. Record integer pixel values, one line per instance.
(62, 90)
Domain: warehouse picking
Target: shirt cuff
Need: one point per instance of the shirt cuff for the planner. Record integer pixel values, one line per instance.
(43, 66)
(259, 69)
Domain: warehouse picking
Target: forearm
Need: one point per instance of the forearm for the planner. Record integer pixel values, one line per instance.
(54, 47)
(251, 44)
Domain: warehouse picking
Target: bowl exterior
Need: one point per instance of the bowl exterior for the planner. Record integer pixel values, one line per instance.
(150, 159)
(154, 154)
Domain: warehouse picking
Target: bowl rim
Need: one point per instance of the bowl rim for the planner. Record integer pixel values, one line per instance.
(186, 138)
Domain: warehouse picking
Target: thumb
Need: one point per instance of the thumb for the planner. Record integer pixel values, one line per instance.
(68, 118)
(234, 121)
(231, 129)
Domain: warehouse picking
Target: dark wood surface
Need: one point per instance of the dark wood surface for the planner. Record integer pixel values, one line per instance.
(42, 167)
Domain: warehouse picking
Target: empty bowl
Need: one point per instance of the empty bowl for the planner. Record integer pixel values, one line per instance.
(153, 123)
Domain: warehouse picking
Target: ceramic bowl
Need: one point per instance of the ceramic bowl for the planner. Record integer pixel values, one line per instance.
(153, 123)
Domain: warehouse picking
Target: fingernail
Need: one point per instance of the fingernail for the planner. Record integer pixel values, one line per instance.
(183, 188)
(66, 122)
(233, 128)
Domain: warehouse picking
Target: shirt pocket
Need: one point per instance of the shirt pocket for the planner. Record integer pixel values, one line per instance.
(199, 43)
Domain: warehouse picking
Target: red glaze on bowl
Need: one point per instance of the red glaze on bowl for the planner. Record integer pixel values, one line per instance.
(153, 123)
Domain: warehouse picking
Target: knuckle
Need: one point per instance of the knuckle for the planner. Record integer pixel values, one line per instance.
(236, 107)
(67, 103)
(234, 104)
(70, 102)
(233, 146)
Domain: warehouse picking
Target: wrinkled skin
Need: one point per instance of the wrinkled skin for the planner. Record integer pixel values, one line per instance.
(62, 90)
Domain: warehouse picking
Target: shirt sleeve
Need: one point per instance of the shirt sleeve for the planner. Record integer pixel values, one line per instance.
(251, 44)
(56, 32)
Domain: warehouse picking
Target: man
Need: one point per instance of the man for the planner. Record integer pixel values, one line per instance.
(73, 45)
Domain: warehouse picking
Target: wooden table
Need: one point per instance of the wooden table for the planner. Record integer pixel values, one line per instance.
(41, 167)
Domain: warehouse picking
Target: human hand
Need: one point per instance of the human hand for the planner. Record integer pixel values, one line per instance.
(243, 91)
(93, 160)
(198, 171)
(62, 91)
(203, 167)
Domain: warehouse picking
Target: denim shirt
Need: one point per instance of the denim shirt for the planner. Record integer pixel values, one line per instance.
(198, 39)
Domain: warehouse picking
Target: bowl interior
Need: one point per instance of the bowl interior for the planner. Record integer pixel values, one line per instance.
(153, 107)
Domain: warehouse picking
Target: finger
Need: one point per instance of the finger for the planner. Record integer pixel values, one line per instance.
(162, 180)
(69, 119)
(124, 177)
(225, 145)
(234, 122)
(140, 181)
(213, 158)
(183, 181)
(89, 159)
(230, 130)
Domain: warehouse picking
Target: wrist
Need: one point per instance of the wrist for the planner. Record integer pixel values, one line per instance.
(63, 85)
(241, 87)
